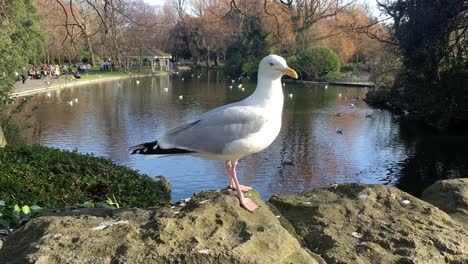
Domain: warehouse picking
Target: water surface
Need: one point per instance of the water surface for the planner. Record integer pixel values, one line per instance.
(384, 148)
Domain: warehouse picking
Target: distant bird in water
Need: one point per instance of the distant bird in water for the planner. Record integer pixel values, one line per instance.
(339, 131)
(181, 97)
(339, 95)
(239, 86)
(242, 89)
(351, 105)
(166, 89)
(70, 103)
(233, 81)
(230, 86)
(284, 84)
(48, 94)
(326, 87)
(76, 100)
(406, 112)
(138, 82)
(182, 78)
(368, 115)
(338, 114)
(378, 110)
(290, 95)
(288, 162)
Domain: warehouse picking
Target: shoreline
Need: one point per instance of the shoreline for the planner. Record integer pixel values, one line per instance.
(44, 87)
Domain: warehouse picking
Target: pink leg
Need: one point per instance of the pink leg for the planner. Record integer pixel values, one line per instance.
(232, 185)
(247, 203)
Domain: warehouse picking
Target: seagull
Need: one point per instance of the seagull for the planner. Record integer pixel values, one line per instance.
(242, 89)
(339, 95)
(76, 100)
(48, 94)
(290, 95)
(230, 86)
(182, 79)
(284, 84)
(138, 82)
(166, 89)
(232, 131)
(233, 81)
(70, 103)
(239, 86)
(326, 87)
(181, 97)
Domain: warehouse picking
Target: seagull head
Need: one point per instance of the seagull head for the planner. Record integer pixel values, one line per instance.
(274, 66)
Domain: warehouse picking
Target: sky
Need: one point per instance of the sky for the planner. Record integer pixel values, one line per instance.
(371, 3)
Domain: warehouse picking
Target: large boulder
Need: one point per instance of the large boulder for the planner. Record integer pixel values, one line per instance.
(450, 196)
(210, 228)
(355, 223)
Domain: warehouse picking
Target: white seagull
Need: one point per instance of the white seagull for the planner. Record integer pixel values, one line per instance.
(232, 131)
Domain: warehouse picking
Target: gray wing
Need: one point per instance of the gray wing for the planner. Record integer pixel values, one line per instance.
(215, 129)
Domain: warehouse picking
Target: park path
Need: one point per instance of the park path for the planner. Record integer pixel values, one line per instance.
(43, 85)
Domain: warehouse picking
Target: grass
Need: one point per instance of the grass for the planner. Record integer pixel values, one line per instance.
(103, 75)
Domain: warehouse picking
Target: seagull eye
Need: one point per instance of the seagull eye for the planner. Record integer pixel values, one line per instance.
(271, 64)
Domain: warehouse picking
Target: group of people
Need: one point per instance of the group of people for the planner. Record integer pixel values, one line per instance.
(45, 71)
(50, 71)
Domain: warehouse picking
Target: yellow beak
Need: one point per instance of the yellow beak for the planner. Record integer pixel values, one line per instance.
(290, 72)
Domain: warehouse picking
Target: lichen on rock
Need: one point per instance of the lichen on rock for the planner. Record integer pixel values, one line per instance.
(450, 196)
(356, 223)
(210, 228)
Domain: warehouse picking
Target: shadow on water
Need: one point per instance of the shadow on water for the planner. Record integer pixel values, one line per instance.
(435, 156)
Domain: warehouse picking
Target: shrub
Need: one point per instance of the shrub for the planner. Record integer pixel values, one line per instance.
(315, 62)
(250, 67)
(47, 177)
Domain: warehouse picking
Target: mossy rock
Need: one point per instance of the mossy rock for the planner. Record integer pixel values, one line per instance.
(210, 228)
(450, 196)
(356, 223)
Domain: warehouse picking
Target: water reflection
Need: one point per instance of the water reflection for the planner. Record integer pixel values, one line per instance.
(435, 156)
(308, 152)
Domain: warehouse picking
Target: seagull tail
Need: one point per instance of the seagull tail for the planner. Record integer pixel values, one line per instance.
(152, 148)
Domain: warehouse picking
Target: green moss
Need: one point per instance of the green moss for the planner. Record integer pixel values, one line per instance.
(47, 177)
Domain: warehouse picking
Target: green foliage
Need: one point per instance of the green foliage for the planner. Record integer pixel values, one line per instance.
(250, 67)
(85, 56)
(20, 42)
(36, 175)
(434, 58)
(251, 46)
(315, 62)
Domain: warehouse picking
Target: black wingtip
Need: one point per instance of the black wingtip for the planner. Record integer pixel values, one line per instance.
(152, 148)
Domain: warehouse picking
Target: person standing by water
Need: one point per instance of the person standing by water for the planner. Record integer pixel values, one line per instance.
(24, 75)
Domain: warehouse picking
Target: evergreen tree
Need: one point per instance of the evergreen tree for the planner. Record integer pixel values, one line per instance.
(247, 51)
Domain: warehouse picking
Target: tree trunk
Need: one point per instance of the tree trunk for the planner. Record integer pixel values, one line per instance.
(216, 62)
(90, 49)
(3, 141)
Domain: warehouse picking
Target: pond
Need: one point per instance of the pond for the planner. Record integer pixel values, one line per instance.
(374, 147)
